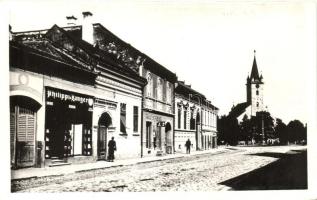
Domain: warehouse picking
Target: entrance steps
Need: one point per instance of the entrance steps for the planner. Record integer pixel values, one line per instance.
(58, 162)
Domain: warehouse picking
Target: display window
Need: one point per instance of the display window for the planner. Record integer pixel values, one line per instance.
(68, 124)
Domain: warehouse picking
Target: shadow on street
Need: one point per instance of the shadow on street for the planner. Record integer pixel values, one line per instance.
(289, 172)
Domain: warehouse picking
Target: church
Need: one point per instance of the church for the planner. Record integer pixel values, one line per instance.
(254, 101)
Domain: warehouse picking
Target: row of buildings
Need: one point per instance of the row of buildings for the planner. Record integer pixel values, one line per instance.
(73, 88)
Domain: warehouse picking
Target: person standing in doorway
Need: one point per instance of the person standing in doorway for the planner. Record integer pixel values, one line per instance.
(188, 145)
(111, 148)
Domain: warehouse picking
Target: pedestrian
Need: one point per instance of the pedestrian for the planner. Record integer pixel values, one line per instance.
(188, 145)
(111, 148)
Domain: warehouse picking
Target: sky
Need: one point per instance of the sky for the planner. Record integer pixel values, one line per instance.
(208, 44)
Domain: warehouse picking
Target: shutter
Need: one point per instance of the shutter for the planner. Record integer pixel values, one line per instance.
(12, 135)
(25, 137)
(22, 128)
(30, 129)
(12, 128)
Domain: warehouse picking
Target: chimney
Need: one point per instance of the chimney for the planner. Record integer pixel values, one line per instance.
(71, 20)
(87, 28)
(10, 32)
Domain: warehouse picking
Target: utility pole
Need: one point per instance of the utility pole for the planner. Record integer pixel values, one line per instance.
(263, 141)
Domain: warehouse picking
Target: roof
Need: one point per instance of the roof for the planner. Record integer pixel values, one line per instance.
(182, 87)
(57, 42)
(104, 37)
(187, 90)
(254, 71)
(239, 109)
(43, 58)
(44, 47)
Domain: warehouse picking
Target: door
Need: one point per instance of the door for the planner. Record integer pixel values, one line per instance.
(22, 131)
(102, 143)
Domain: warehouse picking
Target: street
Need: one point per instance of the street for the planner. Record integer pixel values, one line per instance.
(234, 168)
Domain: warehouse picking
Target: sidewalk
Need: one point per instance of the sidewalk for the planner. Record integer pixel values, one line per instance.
(68, 169)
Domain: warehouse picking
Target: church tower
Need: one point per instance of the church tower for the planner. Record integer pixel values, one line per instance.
(255, 89)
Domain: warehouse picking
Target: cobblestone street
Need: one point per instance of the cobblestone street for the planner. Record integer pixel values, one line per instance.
(202, 172)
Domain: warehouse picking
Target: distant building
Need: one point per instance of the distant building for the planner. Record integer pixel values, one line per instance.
(195, 119)
(254, 98)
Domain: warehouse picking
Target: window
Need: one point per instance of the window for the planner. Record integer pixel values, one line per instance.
(257, 92)
(135, 118)
(257, 104)
(159, 89)
(148, 134)
(123, 114)
(149, 87)
(168, 93)
(192, 120)
(179, 116)
(185, 118)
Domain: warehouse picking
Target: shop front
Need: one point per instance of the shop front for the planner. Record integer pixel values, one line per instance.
(158, 134)
(68, 124)
(209, 140)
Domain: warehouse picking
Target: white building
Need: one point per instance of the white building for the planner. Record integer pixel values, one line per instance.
(195, 119)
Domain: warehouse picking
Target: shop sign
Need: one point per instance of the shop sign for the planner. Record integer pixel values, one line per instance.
(161, 124)
(61, 95)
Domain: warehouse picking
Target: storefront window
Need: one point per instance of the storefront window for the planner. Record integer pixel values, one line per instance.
(68, 124)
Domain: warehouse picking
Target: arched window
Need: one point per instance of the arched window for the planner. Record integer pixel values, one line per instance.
(257, 92)
(192, 120)
(149, 87)
(185, 118)
(179, 117)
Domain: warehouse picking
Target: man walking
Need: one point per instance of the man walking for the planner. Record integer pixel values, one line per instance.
(188, 145)
(111, 148)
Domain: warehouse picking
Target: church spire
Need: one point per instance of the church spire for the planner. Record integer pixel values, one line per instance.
(254, 71)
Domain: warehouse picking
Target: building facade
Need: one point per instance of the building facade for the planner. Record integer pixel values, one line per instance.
(68, 98)
(158, 111)
(195, 119)
(158, 95)
(209, 126)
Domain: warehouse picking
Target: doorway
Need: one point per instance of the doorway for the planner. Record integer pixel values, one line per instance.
(168, 140)
(103, 124)
(23, 119)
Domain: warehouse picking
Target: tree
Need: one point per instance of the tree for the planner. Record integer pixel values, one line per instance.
(245, 129)
(296, 131)
(228, 130)
(281, 131)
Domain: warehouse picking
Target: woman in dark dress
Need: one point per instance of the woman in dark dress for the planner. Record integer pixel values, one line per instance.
(111, 148)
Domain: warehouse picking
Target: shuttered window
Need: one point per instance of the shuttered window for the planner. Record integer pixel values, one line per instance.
(26, 125)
